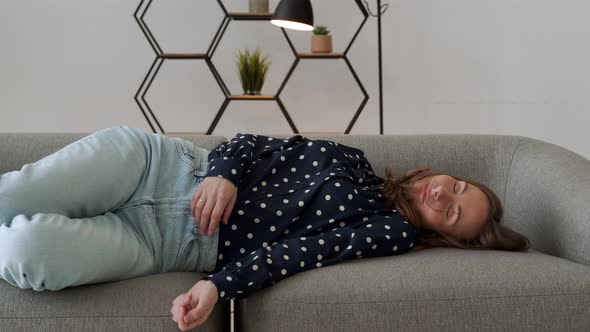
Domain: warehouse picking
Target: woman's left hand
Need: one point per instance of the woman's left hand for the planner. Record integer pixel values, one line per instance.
(192, 309)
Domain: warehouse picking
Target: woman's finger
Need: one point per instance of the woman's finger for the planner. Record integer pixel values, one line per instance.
(196, 197)
(206, 214)
(217, 213)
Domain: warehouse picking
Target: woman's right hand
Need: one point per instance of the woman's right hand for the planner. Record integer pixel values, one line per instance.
(213, 201)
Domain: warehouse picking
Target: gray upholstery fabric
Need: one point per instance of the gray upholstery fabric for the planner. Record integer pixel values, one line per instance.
(545, 190)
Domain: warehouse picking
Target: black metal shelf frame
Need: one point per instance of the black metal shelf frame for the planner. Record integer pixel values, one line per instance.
(161, 56)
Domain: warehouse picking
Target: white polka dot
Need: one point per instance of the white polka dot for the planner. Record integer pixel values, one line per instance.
(327, 197)
(264, 183)
(272, 228)
(318, 265)
(307, 176)
(306, 191)
(227, 243)
(309, 144)
(279, 213)
(222, 293)
(250, 235)
(315, 163)
(369, 225)
(228, 278)
(349, 196)
(242, 250)
(285, 201)
(283, 158)
(256, 220)
(246, 201)
(404, 234)
(341, 207)
(254, 189)
(369, 240)
(234, 227)
(349, 247)
(318, 212)
(387, 227)
(387, 237)
(269, 261)
(320, 257)
(331, 221)
(321, 241)
(323, 149)
(303, 249)
(293, 169)
(241, 212)
(301, 203)
(334, 160)
(374, 247)
(285, 180)
(285, 257)
(250, 283)
(301, 156)
(263, 205)
(358, 253)
(337, 184)
(274, 170)
(283, 271)
(311, 184)
(336, 248)
(255, 267)
(268, 195)
(233, 171)
(394, 248)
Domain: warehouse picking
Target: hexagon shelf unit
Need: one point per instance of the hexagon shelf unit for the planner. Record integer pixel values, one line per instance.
(229, 16)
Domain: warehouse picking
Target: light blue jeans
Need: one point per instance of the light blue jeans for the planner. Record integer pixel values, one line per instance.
(113, 205)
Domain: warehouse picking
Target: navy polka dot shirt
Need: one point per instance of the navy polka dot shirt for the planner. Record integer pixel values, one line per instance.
(301, 204)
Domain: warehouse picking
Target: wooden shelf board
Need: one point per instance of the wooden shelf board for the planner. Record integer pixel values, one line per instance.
(183, 55)
(321, 55)
(249, 16)
(251, 97)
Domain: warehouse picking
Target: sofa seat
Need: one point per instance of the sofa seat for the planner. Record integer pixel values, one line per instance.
(137, 304)
(436, 289)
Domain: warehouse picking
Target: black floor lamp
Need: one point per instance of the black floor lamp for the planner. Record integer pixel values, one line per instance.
(298, 15)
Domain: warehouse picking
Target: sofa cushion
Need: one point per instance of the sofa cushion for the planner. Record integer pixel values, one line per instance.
(137, 304)
(435, 289)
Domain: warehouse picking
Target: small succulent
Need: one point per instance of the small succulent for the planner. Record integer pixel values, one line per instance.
(252, 69)
(321, 30)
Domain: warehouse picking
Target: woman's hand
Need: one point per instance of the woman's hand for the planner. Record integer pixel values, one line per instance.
(214, 199)
(192, 309)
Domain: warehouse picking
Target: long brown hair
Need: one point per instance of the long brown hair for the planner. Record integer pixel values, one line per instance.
(495, 235)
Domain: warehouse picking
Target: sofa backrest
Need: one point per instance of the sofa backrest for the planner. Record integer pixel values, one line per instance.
(17, 149)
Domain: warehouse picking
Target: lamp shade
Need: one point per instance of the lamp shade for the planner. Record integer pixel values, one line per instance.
(294, 14)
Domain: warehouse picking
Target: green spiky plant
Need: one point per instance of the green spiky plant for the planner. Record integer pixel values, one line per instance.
(252, 68)
(321, 30)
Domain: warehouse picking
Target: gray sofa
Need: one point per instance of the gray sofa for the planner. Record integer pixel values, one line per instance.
(545, 190)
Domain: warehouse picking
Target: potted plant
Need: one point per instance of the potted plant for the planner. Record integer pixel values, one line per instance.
(321, 40)
(258, 6)
(252, 69)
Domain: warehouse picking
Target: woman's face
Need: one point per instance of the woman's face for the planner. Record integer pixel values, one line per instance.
(450, 206)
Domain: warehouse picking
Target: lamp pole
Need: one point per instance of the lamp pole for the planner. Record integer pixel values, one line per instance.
(380, 68)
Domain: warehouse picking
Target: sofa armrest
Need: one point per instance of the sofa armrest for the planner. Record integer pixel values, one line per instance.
(547, 199)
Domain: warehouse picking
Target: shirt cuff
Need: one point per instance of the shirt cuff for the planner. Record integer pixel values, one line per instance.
(229, 169)
(226, 283)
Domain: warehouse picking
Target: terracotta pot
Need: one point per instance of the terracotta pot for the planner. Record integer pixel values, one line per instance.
(258, 6)
(321, 43)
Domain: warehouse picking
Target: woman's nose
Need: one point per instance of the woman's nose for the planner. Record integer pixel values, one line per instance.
(439, 194)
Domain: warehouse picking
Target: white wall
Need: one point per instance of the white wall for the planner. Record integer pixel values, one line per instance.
(517, 67)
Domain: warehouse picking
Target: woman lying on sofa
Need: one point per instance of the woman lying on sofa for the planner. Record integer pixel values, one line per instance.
(122, 203)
